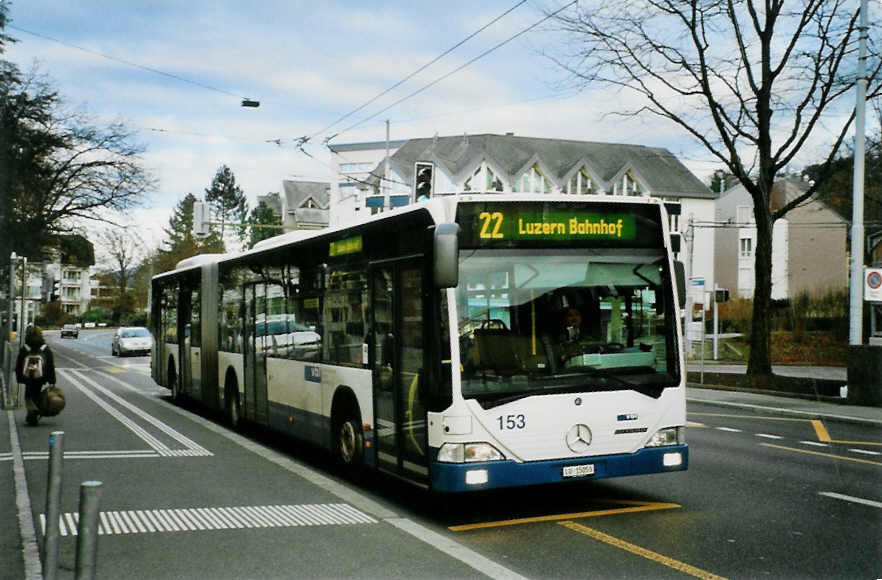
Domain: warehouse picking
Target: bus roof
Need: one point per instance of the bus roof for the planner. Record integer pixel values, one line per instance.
(442, 208)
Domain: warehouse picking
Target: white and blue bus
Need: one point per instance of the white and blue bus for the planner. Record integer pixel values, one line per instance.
(467, 342)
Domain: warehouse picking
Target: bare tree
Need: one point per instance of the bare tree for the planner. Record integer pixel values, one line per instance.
(125, 249)
(60, 167)
(753, 82)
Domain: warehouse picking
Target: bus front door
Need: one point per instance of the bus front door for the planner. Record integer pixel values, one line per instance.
(254, 353)
(397, 363)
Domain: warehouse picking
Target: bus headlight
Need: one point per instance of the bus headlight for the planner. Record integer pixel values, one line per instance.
(468, 453)
(669, 436)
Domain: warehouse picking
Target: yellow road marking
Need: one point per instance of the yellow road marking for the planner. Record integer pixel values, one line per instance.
(643, 552)
(821, 431)
(808, 452)
(637, 506)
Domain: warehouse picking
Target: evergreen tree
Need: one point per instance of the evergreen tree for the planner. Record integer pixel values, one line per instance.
(262, 224)
(181, 242)
(228, 203)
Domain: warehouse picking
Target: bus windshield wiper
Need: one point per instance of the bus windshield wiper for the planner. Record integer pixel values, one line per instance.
(608, 375)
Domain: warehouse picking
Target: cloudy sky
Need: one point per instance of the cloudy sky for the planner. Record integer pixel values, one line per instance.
(308, 63)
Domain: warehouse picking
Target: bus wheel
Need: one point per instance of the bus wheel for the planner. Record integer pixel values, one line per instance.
(231, 404)
(349, 443)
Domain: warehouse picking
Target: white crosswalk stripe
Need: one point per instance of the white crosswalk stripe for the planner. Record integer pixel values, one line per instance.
(217, 518)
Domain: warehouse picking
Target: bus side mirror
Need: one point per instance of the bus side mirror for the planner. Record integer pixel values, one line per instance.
(680, 275)
(446, 267)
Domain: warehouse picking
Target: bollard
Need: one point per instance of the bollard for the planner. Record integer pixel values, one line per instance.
(87, 530)
(53, 505)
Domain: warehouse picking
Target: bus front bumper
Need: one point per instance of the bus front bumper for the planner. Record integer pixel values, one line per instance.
(458, 477)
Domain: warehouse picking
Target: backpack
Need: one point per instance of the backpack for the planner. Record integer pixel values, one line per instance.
(32, 368)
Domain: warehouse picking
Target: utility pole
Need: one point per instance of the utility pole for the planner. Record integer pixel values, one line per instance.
(384, 184)
(21, 318)
(856, 331)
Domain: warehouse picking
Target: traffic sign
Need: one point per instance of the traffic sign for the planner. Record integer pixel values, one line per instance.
(696, 289)
(873, 285)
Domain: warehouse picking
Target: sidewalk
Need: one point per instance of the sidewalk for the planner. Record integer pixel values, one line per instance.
(832, 373)
(782, 405)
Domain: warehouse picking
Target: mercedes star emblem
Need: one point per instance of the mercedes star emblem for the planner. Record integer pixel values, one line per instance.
(579, 438)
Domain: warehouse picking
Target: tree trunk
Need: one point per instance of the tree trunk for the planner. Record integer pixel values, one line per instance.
(760, 361)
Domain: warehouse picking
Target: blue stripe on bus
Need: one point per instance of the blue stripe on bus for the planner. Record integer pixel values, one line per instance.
(313, 427)
(450, 477)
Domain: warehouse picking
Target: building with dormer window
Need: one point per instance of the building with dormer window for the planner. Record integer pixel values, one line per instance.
(514, 164)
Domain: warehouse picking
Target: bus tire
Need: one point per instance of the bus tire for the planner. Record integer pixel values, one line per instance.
(231, 402)
(348, 441)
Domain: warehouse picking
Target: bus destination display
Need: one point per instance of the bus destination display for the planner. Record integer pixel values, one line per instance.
(501, 224)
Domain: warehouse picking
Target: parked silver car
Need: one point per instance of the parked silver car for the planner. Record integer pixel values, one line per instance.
(131, 340)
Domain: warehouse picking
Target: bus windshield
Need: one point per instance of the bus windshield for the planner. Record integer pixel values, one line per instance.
(565, 320)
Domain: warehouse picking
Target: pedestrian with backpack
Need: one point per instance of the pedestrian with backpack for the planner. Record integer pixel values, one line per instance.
(34, 367)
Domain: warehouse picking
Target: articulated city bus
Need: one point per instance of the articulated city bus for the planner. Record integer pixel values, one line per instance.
(463, 343)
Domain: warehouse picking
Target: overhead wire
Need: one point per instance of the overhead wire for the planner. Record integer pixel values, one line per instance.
(417, 71)
(461, 67)
(126, 62)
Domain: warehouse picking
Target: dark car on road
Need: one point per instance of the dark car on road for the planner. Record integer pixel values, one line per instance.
(70, 330)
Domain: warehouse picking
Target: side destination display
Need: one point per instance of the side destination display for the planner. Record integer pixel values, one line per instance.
(524, 224)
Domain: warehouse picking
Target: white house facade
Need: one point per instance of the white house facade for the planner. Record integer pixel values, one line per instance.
(352, 165)
(808, 244)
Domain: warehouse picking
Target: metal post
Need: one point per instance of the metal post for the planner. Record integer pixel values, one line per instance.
(87, 530)
(12, 259)
(7, 354)
(384, 183)
(856, 331)
(21, 318)
(716, 321)
(701, 377)
(53, 505)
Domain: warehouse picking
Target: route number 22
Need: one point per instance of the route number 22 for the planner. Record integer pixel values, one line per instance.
(491, 224)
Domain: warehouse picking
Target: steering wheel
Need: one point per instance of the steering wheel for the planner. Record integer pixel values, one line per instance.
(494, 323)
(612, 347)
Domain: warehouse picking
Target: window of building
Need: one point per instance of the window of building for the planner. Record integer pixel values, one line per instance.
(743, 214)
(356, 167)
(746, 247)
(629, 186)
(493, 182)
(467, 186)
(580, 183)
(532, 181)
